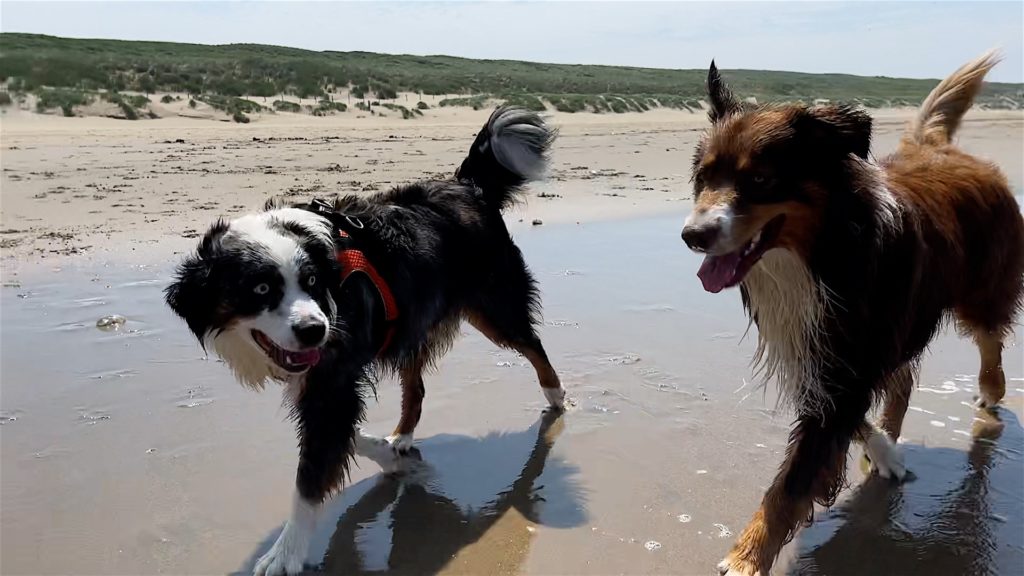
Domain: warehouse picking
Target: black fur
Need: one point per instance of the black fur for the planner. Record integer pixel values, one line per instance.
(444, 250)
(197, 276)
(721, 100)
(498, 174)
(842, 129)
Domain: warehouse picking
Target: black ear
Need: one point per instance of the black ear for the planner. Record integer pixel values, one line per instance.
(189, 296)
(720, 98)
(193, 294)
(842, 129)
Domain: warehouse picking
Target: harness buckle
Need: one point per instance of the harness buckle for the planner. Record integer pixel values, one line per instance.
(320, 206)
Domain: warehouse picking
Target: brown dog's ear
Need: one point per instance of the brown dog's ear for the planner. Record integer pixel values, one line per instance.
(842, 128)
(720, 98)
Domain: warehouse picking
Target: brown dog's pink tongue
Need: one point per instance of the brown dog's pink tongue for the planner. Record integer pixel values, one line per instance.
(310, 357)
(717, 271)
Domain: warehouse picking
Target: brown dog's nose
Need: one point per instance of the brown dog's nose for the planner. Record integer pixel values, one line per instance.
(700, 237)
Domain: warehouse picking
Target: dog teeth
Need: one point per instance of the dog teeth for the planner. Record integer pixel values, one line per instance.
(752, 244)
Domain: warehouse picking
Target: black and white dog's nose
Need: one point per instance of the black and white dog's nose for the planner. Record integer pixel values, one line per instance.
(309, 332)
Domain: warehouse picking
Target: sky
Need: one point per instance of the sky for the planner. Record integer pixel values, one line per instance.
(904, 39)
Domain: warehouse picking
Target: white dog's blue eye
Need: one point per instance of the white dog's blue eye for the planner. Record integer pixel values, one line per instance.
(261, 289)
(311, 281)
(759, 179)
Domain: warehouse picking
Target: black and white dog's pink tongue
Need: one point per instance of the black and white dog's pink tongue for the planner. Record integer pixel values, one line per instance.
(717, 272)
(310, 357)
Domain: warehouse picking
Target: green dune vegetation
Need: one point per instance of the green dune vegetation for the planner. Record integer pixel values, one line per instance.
(63, 74)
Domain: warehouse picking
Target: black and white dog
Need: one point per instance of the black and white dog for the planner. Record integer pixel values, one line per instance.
(325, 297)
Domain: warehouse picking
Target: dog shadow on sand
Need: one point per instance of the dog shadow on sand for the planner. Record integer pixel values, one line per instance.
(461, 505)
(960, 513)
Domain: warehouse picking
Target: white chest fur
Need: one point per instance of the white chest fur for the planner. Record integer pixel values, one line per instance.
(790, 306)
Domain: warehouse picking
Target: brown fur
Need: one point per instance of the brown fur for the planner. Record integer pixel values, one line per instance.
(892, 248)
(412, 397)
(940, 113)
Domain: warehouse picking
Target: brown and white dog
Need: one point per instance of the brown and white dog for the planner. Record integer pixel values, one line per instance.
(848, 267)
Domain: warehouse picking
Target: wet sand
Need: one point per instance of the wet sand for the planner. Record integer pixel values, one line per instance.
(126, 452)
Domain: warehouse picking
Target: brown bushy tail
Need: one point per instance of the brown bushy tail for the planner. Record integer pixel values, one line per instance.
(945, 106)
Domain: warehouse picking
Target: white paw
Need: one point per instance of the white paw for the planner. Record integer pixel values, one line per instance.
(379, 450)
(286, 556)
(885, 457)
(725, 568)
(400, 443)
(555, 397)
(984, 403)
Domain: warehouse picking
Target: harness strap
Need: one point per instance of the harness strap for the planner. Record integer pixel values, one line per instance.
(352, 261)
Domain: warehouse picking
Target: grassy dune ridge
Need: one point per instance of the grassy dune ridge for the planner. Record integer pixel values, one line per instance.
(66, 71)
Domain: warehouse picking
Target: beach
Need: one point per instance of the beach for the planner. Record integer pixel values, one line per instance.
(130, 452)
(109, 189)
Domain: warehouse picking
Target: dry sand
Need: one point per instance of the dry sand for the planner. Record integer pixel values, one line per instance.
(127, 453)
(105, 188)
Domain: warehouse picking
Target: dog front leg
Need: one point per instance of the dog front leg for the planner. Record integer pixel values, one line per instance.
(326, 415)
(812, 471)
(288, 554)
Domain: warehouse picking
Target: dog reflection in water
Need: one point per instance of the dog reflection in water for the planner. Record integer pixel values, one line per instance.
(424, 531)
(960, 515)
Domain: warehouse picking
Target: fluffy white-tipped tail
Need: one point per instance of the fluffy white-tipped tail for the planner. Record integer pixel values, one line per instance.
(941, 112)
(510, 150)
(521, 141)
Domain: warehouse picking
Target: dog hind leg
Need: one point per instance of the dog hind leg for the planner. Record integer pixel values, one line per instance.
(508, 313)
(412, 405)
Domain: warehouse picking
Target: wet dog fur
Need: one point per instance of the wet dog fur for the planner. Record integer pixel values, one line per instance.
(265, 293)
(848, 267)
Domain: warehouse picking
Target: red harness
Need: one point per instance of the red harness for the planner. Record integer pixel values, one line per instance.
(353, 261)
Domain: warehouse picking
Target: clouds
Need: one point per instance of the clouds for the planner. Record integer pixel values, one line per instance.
(911, 39)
